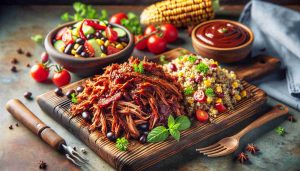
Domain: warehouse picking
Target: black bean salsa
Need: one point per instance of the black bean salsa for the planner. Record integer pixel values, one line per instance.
(90, 38)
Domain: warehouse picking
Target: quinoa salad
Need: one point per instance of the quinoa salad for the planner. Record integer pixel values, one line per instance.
(207, 86)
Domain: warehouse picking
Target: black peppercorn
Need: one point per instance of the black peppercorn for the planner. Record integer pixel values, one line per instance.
(28, 95)
(14, 69)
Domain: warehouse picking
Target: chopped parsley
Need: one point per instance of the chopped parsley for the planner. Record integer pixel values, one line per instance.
(202, 67)
(188, 91)
(122, 144)
(192, 59)
(138, 68)
(209, 92)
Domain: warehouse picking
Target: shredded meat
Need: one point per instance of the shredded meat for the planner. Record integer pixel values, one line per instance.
(121, 98)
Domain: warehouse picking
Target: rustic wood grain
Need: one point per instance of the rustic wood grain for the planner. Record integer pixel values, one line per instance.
(142, 156)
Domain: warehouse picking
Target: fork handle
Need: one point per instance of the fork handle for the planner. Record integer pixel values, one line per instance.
(32, 122)
(277, 111)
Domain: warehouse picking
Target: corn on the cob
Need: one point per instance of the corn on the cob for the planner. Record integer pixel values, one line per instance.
(180, 13)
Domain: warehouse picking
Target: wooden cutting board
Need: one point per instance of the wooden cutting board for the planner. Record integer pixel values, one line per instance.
(141, 156)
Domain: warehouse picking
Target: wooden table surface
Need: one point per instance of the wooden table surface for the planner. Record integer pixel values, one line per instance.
(21, 150)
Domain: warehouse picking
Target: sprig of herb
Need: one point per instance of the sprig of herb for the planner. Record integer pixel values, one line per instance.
(37, 38)
(83, 11)
(138, 68)
(209, 92)
(188, 91)
(122, 144)
(74, 98)
(163, 60)
(202, 67)
(280, 130)
(161, 133)
(132, 23)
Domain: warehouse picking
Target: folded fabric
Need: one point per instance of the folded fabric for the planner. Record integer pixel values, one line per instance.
(277, 30)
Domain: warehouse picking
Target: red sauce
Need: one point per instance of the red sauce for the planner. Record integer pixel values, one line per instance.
(222, 34)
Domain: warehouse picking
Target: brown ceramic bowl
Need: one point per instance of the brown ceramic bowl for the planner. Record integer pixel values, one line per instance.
(84, 67)
(223, 55)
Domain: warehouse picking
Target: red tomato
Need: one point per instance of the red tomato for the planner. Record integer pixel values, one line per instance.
(199, 96)
(116, 18)
(60, 33)
(90, 50)
(170, 33)
(149, 29)
(39, 72)
(112, 50)
(111, 34)
(67, 37)
(156, 44)
(61, 78)
(142, 44)
(220, 107)
(201, 115)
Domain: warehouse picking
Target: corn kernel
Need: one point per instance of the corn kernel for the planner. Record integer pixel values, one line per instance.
(106, 43)
(207, 83)
(244, 93)
(62, 49)
(124, 44)
(235, 84)
(73, 52)
(237, 97)
(103, 55)
(184, 59)
(76, 46)
(219, 89)
(232, 75)
(99, 41)
(119, 46)
(219, 100)
(209, 100)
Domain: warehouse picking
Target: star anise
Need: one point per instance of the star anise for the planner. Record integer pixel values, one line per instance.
(252, 148)
(291, 118)
(42, 165)
(242, 157)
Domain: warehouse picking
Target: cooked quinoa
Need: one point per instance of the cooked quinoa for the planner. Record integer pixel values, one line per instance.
(207, 86)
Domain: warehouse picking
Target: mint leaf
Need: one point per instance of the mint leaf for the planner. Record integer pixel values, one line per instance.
(122, 144)
(175, 126)
(184, 121)
(171, 121)
(158, 134)
(175, 133)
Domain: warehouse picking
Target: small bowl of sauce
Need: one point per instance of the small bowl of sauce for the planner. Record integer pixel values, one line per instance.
(223, 40)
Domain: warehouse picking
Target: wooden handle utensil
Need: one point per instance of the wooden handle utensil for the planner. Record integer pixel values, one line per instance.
(38, 127)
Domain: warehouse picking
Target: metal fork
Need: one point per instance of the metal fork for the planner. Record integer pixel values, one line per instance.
(229, 144)
(32, 122)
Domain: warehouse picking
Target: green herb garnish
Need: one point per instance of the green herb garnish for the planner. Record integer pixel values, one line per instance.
(122, 144)
(37, 38)
(132, 23)
(202, 67)
(192, 59)
(188, 91)
(73, 98)
(280, 130)
(163, 60)
(209, 92)
(161, 133)
(138, 68)
(83, 11)
(180, 57)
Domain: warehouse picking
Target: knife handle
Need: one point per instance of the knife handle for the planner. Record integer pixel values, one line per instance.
(38, 127)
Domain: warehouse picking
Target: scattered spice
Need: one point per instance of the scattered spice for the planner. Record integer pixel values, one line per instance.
(14, 61)
(10, 127)
(28, 65)
(43, 165)
(252, 148)
(83, 150)
(280, 130)
(28, 95)
(242, 157)
(20, 51)
(291, 118)
(17, 125)
(14, 69)
(28, 54)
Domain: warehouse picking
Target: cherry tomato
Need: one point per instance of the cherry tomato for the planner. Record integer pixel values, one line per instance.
(220, 107)
(39, 72)
(170, 33)
(199, 96)
(156, 44)
(67, 37)
(201, 115)
(112, 50)
(149, 29)
(142, 44)
(117, 18)
(60, 33)
(111, 34)
(89, 49)
(61, 78)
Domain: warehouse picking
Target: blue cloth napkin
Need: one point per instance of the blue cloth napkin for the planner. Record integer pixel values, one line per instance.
(277, 29)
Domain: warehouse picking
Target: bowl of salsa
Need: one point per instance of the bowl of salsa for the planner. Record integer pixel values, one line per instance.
(223, 40)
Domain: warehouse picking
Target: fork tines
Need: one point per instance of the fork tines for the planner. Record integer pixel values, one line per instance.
(214, 150)
(74, 156)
